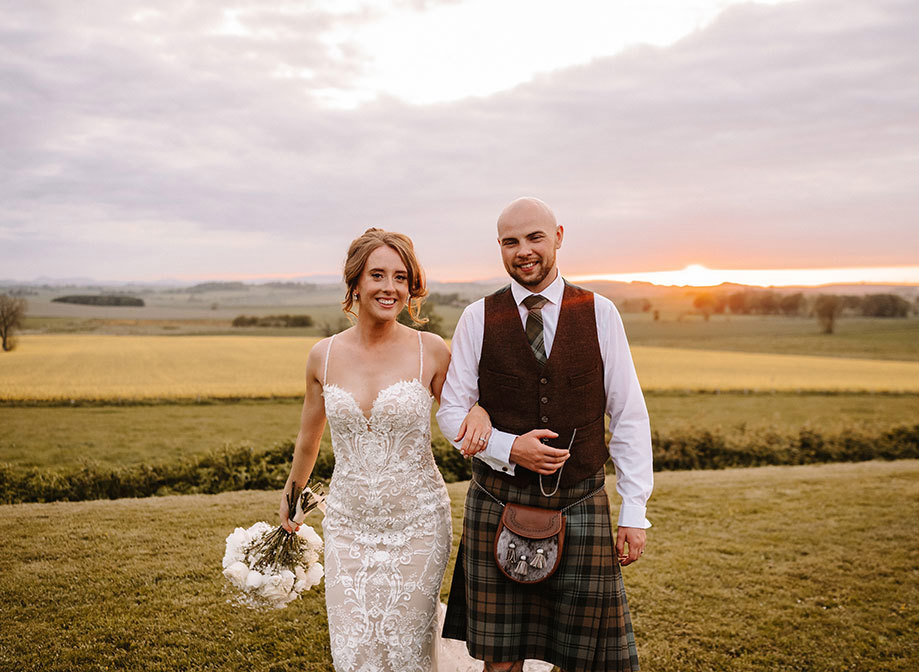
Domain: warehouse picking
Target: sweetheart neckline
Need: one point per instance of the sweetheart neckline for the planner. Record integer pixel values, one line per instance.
(373, 406)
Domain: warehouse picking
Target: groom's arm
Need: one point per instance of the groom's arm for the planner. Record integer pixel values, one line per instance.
(461, 389)
(630, 446)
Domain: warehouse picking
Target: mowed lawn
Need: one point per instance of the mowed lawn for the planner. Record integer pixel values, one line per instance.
(94, 366)
(769, 569)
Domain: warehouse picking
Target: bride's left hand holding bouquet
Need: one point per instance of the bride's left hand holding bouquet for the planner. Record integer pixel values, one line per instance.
(269, 566)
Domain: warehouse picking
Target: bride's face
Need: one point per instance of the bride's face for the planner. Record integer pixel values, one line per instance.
(383, 286)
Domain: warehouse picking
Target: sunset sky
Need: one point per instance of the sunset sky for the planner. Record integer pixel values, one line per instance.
(214, 139)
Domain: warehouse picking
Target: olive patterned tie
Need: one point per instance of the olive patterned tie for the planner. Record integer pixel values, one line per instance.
(534, 329)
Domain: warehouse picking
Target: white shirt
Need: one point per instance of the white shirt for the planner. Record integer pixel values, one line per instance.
(630, 446)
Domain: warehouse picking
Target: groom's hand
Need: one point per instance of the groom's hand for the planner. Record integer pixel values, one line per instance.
(530, 452)
(635, 538)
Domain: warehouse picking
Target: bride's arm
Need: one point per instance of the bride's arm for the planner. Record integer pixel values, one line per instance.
(477, 424)
(312, 422)
(436, 360)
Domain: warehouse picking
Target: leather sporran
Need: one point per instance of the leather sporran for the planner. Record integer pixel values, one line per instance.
(529, 542)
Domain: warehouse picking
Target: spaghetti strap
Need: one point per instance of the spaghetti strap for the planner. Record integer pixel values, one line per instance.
(328, 352)
(421, 359)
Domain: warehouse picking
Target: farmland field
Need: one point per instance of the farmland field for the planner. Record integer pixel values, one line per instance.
(747, 570)
(126, 435)
(94, 366)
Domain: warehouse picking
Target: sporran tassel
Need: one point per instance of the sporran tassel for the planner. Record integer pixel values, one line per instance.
(521, 566)
(511, 553)
(539, 560)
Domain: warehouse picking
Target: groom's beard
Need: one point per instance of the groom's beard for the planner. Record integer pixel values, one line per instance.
(536, 275)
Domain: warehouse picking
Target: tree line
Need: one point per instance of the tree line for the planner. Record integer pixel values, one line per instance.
(101, 300)
(273, 321)
(770, 302)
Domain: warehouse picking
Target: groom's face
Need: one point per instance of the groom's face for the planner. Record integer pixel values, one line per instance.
(528, 243)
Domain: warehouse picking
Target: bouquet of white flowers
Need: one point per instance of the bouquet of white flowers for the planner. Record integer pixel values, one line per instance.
(268, 566)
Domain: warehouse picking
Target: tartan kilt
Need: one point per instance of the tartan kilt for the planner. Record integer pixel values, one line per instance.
(578, 619)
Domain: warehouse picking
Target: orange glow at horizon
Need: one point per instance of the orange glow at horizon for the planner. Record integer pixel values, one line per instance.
(696, 275)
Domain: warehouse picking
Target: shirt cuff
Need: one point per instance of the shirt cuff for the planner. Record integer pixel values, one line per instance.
(497, 454)
(632, 515)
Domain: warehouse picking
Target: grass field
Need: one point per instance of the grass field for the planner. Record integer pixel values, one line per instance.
(126, 435)
(771, 569)
(91, 366)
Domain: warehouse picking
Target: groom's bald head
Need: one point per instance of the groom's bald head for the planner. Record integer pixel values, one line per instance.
(529, 209)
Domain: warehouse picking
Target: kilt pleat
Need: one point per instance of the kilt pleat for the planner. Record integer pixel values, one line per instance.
(578, 619)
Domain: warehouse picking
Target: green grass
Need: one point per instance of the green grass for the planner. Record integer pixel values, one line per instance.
(770, 569)
(780, 412)
(871, 338)
(45, 436)
(125, 435)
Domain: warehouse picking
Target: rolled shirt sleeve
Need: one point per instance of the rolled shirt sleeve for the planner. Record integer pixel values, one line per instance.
(630, 446)
(461, 388)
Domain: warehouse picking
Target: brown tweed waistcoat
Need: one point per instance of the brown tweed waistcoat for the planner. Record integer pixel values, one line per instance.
(564, 394)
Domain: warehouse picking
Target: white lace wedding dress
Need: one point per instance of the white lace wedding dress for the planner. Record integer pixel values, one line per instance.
(388, 534)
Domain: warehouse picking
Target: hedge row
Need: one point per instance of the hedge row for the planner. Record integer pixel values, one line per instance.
(701, 449)
(247, 469)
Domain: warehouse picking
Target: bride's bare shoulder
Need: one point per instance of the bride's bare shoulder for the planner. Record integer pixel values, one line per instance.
(435, 349)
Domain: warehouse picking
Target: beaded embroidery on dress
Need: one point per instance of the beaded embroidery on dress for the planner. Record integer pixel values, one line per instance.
(387, 530)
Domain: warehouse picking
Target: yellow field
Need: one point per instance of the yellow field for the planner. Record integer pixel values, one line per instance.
(88, 366)
(691, 369)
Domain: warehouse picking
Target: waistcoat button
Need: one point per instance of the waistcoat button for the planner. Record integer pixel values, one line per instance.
(545, 400)
(543, 380)
(545, 418)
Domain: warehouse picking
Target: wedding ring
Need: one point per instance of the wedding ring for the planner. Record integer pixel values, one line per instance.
(481, 439)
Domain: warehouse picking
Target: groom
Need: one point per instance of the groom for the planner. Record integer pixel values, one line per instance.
(545, 358)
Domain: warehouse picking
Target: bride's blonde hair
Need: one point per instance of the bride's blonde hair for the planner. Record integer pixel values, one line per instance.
(360, 250)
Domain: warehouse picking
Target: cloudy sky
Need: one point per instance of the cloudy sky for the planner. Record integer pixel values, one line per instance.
(211, 138)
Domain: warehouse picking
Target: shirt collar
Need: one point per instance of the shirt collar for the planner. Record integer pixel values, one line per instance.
(553, 292)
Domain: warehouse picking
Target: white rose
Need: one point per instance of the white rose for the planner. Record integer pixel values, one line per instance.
(314, 574)
(273, 589)
(235, 543)
(237, 573)
(299, 572)
(287, 579)
(308, 534)
(254, 580)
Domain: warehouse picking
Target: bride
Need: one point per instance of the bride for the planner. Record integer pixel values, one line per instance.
(387, 525)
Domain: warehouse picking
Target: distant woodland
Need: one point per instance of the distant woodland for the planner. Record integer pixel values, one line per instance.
(100, 300)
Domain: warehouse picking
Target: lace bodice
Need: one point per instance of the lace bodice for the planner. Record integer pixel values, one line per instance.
(384, 468)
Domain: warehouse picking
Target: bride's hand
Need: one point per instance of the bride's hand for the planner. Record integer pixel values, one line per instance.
(475, 431)
(284, 513)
